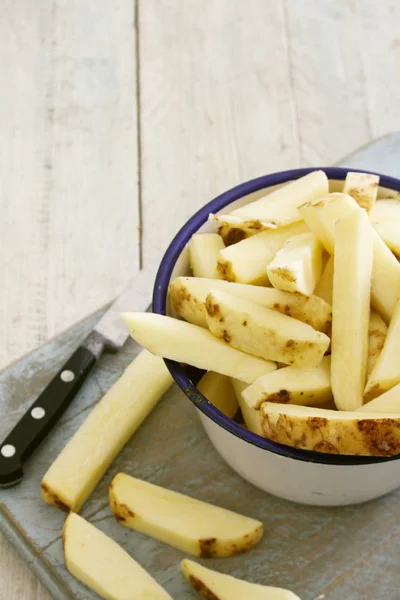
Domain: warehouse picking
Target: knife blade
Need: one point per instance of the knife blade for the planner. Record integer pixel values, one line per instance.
(109, 335)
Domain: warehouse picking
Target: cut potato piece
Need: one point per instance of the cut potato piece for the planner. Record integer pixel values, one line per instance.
(386, 371)
(183, 522)
(389, 232)
(377, 334)
(193, 345)
(363, 187)
(217, 586)
(251, 417)
(246, 261)
(103, 566)
(279, 208)
(292, 385)
(324, 288)
(389, 402)
(231, 234)
(297, 266)
(334, 432)
(218, 390)
(264, 332)
(203, 254)
(351, 308)
(385, 210)
(189, 295)
(82, 463)
(234, 229)
(336, 185)
(321, 216)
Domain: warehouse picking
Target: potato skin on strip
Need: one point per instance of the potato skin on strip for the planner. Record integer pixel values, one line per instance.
(333, 432)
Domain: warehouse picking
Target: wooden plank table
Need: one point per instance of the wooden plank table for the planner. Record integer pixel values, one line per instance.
(119, 119)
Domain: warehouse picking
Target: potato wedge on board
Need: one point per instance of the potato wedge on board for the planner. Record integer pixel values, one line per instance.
(363, 187)
(193, 345)
(264, 332)
(321, 216)
(218, 390)
(183, 522)
(279, 208)
(386, 371)
(70, 480)
(389, 232)
(217, 586)
(385, 210)
(351, 309)
(103, 566)
(377, 334)
(297, 266)
(251, 416)
(188, 295)
(203, 254)
(330, 431)
(389, 402)
(246, 261)
(324, 288)
(291, 385)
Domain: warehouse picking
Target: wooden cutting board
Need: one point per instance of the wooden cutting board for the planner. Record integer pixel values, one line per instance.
(331, 553)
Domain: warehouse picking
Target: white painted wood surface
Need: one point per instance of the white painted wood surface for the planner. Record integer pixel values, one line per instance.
(228, 90)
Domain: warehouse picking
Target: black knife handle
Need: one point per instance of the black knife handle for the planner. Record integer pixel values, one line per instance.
(41, 416)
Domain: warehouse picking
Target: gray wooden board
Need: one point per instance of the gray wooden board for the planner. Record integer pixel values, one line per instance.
(350, 552)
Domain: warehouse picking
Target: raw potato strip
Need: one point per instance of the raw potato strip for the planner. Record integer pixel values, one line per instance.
(217, 586)
(251, 416)
(324, 288)
(103, 566)
(297, 266)
(386, 371)
(234, 229)
(356, 433)
(292, 385)
(82, 463)
(183, 522)
(246, 261)
(363, 187)
(218, 390)
(189, 295)
(230, 234)
(264, 332)
(194, 346)
(389, 402)
(385, 210)
(336, 185)
(321, 216)
(203, 254)
(377, 335)
(389, 231)
(279, 208)
(351, 308)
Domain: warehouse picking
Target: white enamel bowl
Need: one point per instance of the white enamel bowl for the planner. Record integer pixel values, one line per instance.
(297, 475)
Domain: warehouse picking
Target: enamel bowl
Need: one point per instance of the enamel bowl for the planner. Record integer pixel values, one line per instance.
(297, 475)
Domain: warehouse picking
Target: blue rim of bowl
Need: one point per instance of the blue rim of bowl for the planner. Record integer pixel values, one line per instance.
(160, 304)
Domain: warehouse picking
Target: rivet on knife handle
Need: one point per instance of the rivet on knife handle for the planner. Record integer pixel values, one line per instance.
(41, 416)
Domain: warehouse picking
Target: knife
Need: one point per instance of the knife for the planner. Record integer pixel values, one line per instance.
(109, 335)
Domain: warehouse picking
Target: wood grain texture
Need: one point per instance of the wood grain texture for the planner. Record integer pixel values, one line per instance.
(327, 70)
(68, 179)
(379, 35)
(16, 580)
(228, 91)
(211, 113)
